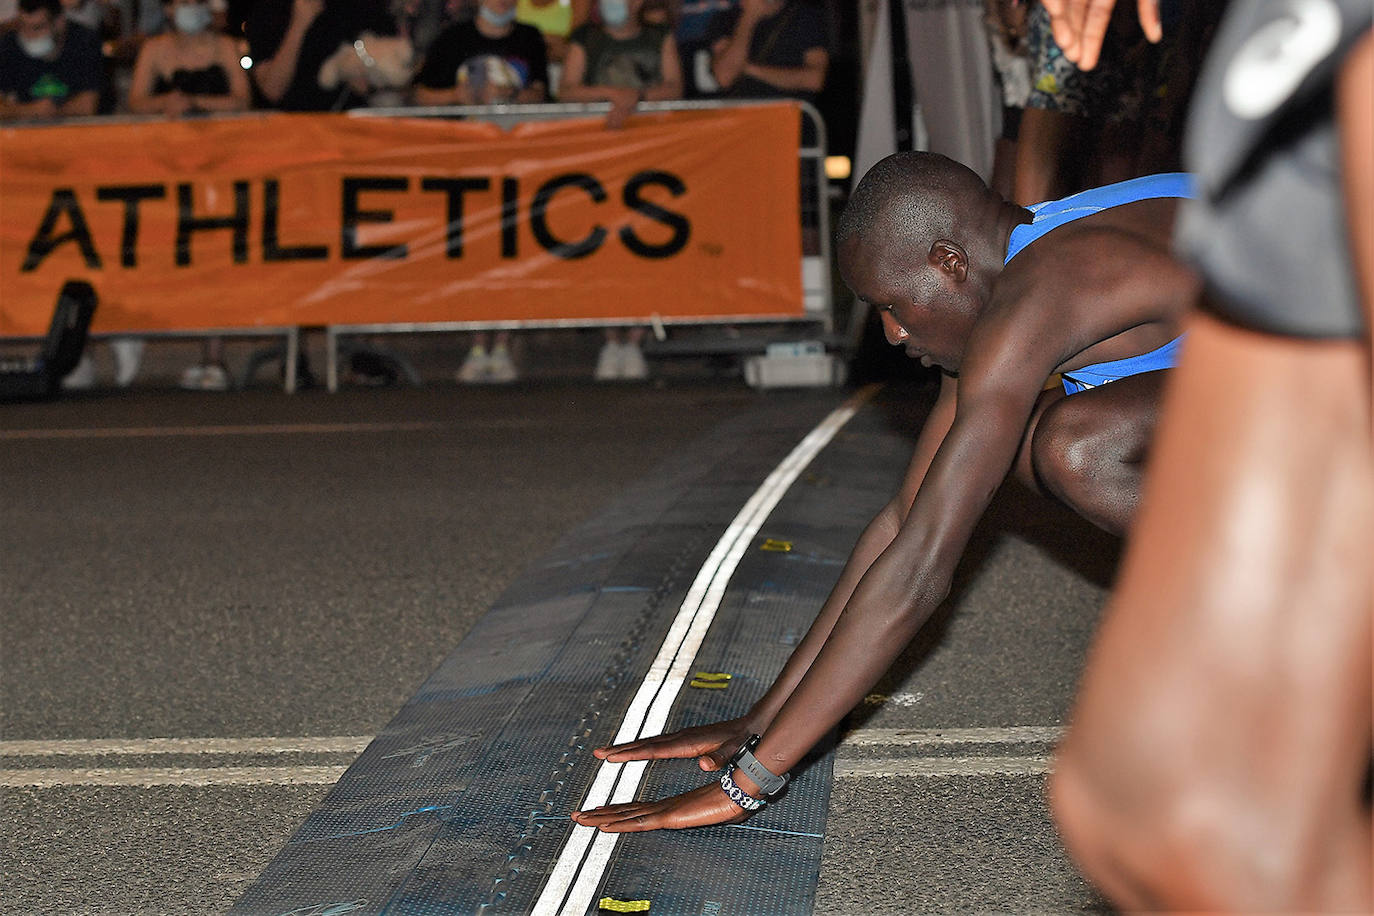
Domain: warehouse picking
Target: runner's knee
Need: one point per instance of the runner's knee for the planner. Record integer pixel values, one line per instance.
(1068, 451)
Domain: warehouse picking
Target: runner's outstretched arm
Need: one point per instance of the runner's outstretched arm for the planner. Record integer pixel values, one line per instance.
(892, 599)
(715, 743)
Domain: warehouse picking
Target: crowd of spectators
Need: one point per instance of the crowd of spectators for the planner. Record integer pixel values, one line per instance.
(64, 58)
(179, 58)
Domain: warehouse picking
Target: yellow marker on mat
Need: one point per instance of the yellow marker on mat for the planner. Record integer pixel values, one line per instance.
(623, 906)
(711, 680)
(779, 546)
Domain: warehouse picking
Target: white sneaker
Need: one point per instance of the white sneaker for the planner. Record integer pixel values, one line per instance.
(214, 378)
(632, 364)
(83, 376)
(474, 368)
(608, 362)
(128, 356)
(500, 367)
(192, 378)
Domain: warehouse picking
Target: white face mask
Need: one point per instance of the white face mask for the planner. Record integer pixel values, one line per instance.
(500, 20)
(39, 47)
(615, 13)
(191, 18)
(88, 14)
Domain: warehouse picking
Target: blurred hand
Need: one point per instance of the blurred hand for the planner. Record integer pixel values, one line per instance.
(698, 808)
(306, 11)
(622, 106)
(495, 95)
(713, 745)
(466, 95)
(1080, 26)
(754, 10)
(175, 104)
(42, 108)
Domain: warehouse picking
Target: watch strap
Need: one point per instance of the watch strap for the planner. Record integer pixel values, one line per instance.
(769, 783)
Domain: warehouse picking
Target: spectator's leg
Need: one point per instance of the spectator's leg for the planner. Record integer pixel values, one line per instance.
(608, 360)
(500, 365)
(632, 364)
(475, 364)
(1047, 148)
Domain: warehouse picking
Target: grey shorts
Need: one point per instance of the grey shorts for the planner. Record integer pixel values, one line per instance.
(1268, 226)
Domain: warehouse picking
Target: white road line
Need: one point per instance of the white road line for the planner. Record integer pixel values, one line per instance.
(258, 429)
(96, 747)
(576, 874)
(1013, 734)
(172, 776)
(887, 768)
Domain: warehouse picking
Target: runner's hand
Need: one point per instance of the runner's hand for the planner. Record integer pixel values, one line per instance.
(713, 745)
(699, 808)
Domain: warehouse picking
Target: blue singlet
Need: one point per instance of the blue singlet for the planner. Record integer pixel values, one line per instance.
(1054, 213)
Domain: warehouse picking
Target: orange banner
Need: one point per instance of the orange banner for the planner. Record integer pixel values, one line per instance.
(283, 219)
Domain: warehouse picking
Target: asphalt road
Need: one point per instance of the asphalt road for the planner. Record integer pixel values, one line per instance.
(201, 566)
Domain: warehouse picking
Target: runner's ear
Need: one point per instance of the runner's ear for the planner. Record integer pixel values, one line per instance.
(950, 258)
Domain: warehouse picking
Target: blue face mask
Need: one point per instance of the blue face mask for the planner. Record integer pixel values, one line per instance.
(192, 19)
(614, 13)
(500, 20)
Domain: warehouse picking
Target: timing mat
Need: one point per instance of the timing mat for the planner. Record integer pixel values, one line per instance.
(675, 606)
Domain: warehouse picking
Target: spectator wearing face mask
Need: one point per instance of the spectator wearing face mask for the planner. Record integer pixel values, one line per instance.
(49, 67)
(155, 17)
(488, 59)
(623, 61)
(189, 69)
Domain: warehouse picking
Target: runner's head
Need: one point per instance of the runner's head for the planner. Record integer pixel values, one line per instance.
(918, 242)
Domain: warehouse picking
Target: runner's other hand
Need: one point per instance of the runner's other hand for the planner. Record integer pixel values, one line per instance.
(699, 808)
(713, 745)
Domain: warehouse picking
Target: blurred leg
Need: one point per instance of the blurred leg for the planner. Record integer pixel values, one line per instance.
(1222, 735)
(1048, 149)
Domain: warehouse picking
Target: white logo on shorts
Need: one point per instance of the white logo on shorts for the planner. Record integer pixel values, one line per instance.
(1276, 58)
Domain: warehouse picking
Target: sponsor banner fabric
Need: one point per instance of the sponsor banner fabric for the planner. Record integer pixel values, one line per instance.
(305, 219)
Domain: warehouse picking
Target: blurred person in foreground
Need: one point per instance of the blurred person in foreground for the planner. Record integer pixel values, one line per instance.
(488, 60)
(1220, 748)
(1001, 298)
(50, 67)
(617, 58)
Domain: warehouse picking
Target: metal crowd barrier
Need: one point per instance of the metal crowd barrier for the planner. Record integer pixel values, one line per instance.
(287, 350)
(815, 216)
